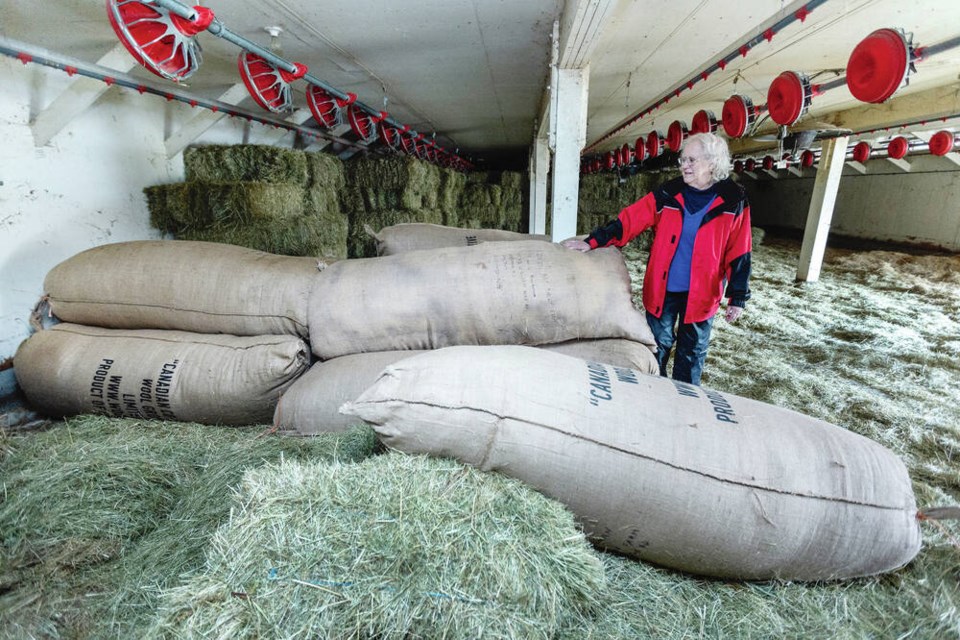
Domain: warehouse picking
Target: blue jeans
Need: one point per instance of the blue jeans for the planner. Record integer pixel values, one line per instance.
(691, 339)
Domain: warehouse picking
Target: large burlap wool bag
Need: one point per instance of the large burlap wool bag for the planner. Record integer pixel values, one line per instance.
(682, 476)
(312, 403)
(520, 293)
(417, 236)
(202, 287)
(171, 375)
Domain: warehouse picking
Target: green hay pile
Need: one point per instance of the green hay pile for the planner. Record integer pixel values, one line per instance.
(245, 163)
(98, 514)
(392, 547)
(276, 200)
(452, 184)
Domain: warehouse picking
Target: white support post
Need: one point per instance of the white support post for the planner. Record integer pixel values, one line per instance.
(569, 129)
(539, 168)
(820, 215)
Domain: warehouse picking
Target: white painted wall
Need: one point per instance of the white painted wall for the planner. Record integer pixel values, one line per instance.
(921, 206)
(85, 187)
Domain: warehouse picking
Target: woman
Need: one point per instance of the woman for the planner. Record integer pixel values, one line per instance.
(701, 244)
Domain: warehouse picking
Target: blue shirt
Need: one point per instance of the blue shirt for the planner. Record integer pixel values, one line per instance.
(695, 206)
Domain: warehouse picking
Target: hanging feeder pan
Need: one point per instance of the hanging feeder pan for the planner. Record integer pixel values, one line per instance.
(654, 144)
(768, 163)
(788, 97)
(879, 65)
(159, 40)
(703, 122)
(362, 123)
(806, 158)
(898, 148)
(327, 110)
(861, 151)
(640, 150)
(408, 145)
(750, 165)
(941, 143)
(738, 115)
(609, 162)
(626, 156)
(596, 165)
(268, 86)
(676, 134)
(738, 166)
(388, 135)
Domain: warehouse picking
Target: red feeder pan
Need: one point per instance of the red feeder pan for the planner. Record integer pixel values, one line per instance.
(626, 156)
(388, 135)
(161, 41)
(609, 162)
(703, 122)
(676, 134)
(268, 85)
(737, 116)
(640, 150)
(861, 151)
(788, 97)
(362, 123)
(941, 143)
(654, 144)
(878, 66)
(806, 158)
(326, 109)
(768, 162)
(898, 148)
(738, 166)
(596, 165)
(408, 144)
(750, 165)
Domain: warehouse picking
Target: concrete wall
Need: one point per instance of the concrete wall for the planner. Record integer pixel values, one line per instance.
(920, 207)
(85, 187)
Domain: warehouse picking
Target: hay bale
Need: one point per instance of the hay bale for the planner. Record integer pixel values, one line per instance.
(367, 550)
(245, 163)
(451, 189)
(99, 513)
(324, 238)
(169, 206)
(326, 170)
(406, 182)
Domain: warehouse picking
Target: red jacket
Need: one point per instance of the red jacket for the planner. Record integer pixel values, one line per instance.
(721, 250)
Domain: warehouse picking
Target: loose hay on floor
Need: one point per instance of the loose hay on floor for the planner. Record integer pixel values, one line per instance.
(395, 546)
(97, 513)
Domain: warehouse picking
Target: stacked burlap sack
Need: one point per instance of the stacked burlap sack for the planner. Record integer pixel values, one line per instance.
(170, 329)
(215, 333)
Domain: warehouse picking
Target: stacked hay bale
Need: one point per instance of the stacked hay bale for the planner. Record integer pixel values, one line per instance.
(492, 200)
(603, 195)
(384, 191)
(281, 201)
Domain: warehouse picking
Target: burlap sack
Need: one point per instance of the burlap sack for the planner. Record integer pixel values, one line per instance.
(203, 287)
(615, 351)
(416, 236)
(312, 403)
(169, 375)
(682, 476)
(526, 292)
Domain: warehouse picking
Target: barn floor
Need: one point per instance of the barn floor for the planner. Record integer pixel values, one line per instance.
(873, 346)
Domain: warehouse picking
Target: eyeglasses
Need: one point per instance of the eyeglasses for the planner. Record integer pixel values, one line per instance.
(686, 160)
